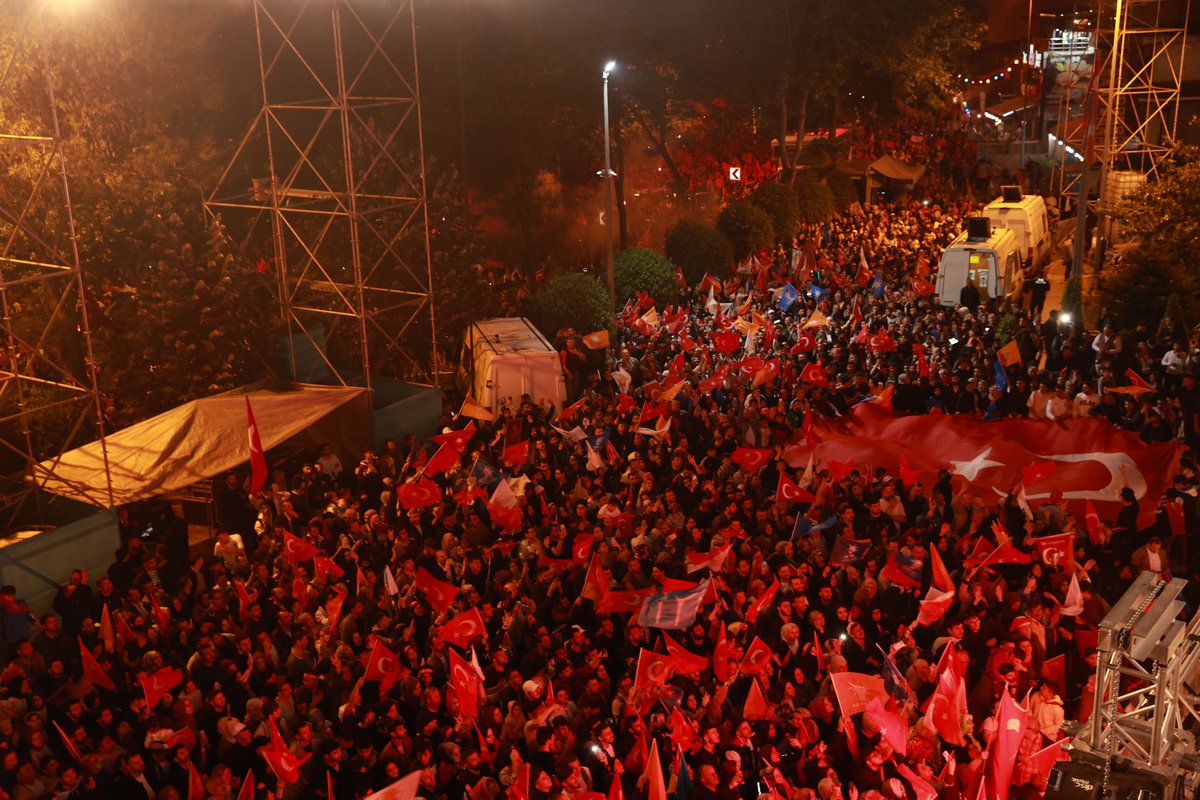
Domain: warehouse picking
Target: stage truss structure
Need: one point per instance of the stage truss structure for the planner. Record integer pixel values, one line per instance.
(327, 189)
(49, 394)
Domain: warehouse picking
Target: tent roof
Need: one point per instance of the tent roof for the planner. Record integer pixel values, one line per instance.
(194, 441)
(1009, 106)
(892, 167)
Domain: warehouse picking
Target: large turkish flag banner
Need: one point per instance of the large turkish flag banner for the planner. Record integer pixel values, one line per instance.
(1093, 459)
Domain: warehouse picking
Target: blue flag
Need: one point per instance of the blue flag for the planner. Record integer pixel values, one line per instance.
(1001, 376)
(817, 293)
(848, 551)
(892, 679)
(788, 296)
(683, 784)
(484, 473)
(878, 286)
(801, 528)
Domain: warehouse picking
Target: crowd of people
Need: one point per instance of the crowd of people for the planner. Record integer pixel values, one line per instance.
(510, 608)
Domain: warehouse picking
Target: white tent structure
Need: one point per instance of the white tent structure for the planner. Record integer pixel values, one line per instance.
(204, 438)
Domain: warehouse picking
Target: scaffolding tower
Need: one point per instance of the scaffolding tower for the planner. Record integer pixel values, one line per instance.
(1147, 699)
(49, 395)
(327, 189)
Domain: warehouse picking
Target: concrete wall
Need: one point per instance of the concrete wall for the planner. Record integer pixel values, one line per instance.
(37, 564)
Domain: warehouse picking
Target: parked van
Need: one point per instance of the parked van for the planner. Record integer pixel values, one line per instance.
(1026, 217)
(505, 358)
(988, 257)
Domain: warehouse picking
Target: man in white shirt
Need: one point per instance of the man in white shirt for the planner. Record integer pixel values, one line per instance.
(1086, 400)
(1038, 399)
(1059, 405)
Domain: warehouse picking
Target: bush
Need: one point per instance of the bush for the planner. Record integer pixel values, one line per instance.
(573, 300)
(639, 269)
(1138, 289)
(841, 186)
(813, 199)
(779, 202)
(698, 249)
(747, 227)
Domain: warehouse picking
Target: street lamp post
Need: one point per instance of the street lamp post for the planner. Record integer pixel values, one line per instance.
(608, 196)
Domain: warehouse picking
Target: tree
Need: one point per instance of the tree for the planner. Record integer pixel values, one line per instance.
(641, 269)
(572, 300)
(779, 202)
(747, 227)
(1139, 288)
(1167, 212)
(841, 186)
(814, 201)
(698, 250)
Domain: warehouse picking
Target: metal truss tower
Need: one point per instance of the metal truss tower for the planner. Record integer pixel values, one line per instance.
(1147, 700)
(1140, 83)
(49, 396)
(327, 189)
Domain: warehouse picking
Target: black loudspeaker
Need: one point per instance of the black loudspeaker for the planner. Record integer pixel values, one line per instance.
(1071, 781)
(979, 229)
(1011, 194)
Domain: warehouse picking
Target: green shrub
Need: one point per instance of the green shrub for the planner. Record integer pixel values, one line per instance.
(1138, 289)
(813, 199)
(779, 202)
(640, 269)
(698, 249)
(747, 227)
(841, 186)
(572, 300)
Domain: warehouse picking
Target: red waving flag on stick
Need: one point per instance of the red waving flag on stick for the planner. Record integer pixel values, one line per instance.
(439, 594)
(157, 685)
(465, 684)
(789, 492)
(92, 669)
(1011, 720)
(297, 550)
(758, 655)
(258, 459)
(856, 690)
(752, 458)
(685, 660)
(462, 629)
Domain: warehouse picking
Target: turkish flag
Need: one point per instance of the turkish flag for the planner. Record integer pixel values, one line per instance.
(882, 342)
(1095, 459)
(465, 683)
(652, 670)
(855, 690)
(597, 581)
(1011, 721)
(456, 439)
(727, 341)
(1057, 550)
(762, 603)
(1044, 760)
(712, 560)
(749, 366)
(908, 475)
(461, 630)
(623, 602)
(418, 495)
(1175, 517)
(934, 606)
(947, 706)
(805, 343)
(789, 492)
(923, 288)
(285, 765)
(516, 455)
(196, 790)
(892, 727)
(504, 516)
(438, 594)
(922, 362)
(382, 665)
(446, 457)
(581, 547)
(810, 429)
(650, 412)
(941, 576)
(816, 375)
(157, 685)
(757, 656)
(297, 550)
(258, 459)
(468, 496)
(683, 731)
(752, 458)
(69, 744)
(321, 566)
(685, 661)
(92, 669)
(656, 788)
(755, 706)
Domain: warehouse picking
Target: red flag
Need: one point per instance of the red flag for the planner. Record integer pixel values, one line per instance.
(816, 375)
(285, 765)
(712, 560)
(1092, 520)
(721, 654)
(758, 655)
(819, 652)
(623, 602)
(656, 788)
(423, 492)
(458, 440)
(934, 606)
(856, 316)
(789, 492)
(1136, 379)
(258, 459)
(810, 429)
(941, 576)
(597, 582)
(323, 566)
(908, 475)
(297, 550)
(69, 744)
(855, 691)
(463, 628)
(1044, 760)
(922, 363)
(892, 726)
(516, 455)
(652, 670)
(465, 683)
(1056, 550)
(840, 470)
(805, 342)
(438, 594)
(625, 403)
(92, 669)
(196, 790)
(447, 456)
(727, 341)
(1175, 518)
(157, 685)
(755, 706)
(1054, 670)
(683, 731)
(923, 288)
(762, 603)
(246, 792)
(1011, 720)
(650, 412)
(685, 661)
(752, 458)
(106, 630)
(382, 666)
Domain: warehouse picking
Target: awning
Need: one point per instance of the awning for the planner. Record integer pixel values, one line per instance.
(205, 438)
(1007, 107)
(894, 168)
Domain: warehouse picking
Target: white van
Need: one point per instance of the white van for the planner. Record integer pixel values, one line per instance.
(1026, 217)
(505, 358)
(992, 262)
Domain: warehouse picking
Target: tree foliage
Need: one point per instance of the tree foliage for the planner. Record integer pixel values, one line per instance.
(1166, 214)
(571, 300)
(842, 187)
(699, 249)
(779, 202)
(1139, 288)
(747, 227)
(641, 269)
(814, 200)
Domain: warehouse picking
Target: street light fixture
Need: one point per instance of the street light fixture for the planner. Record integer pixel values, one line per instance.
(608, 195)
